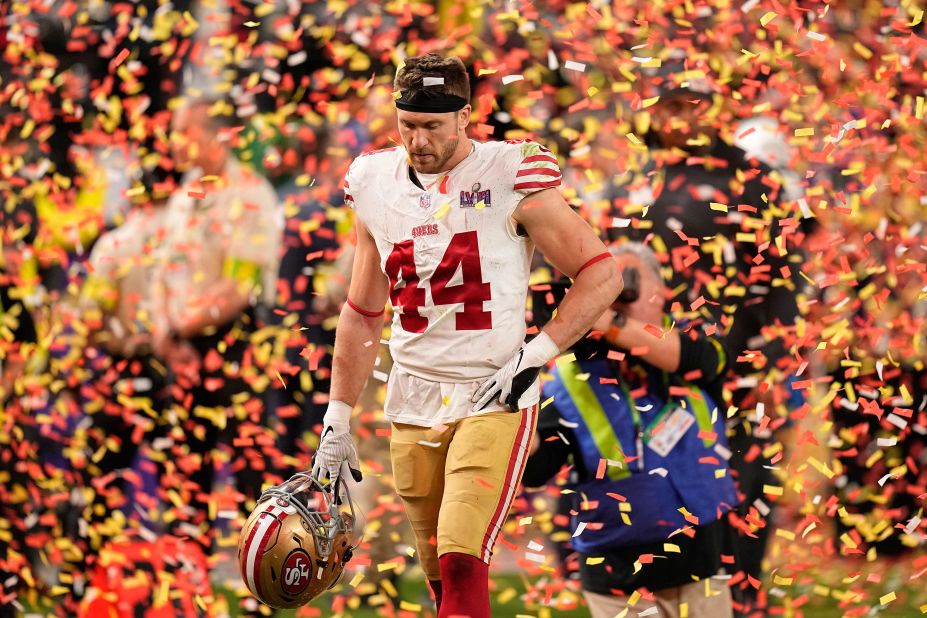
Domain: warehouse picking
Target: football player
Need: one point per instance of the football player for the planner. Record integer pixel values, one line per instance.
(446, 227)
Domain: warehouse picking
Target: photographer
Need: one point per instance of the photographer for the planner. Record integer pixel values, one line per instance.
(650, 479)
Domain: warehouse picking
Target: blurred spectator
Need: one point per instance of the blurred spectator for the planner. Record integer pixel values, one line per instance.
(130, 390)
(707, 212)
(220, 260)
(646, 428)
(18, 336)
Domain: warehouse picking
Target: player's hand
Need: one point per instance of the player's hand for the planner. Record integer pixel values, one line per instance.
(336, 445)
(517, 375)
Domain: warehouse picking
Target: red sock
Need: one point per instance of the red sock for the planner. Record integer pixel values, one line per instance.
(465, 582)
(437, 590)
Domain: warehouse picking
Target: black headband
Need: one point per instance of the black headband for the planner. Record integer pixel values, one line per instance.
(430, 103)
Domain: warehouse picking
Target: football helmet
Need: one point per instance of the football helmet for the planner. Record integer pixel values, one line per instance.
(296, 542)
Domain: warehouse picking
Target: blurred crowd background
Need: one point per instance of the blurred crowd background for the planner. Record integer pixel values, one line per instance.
(166, 337)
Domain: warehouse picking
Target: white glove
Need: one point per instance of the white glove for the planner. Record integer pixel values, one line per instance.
(517, 375)
(336, 445)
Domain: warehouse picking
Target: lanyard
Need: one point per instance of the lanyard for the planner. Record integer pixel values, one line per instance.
(639, 429)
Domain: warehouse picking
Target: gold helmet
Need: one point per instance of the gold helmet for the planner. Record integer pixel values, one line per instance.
(296, 542)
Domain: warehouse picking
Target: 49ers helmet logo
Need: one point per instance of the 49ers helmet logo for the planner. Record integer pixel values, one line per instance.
(297, 571)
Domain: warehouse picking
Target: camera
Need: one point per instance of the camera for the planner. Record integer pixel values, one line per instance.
(632, 286)
(545, 298)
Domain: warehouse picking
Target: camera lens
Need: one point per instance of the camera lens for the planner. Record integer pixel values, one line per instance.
(632, 285)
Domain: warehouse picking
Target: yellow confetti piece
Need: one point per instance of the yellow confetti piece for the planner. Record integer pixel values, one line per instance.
(885, 599)
(634, 598)
(387, 586)
(768, 17)
(410, 607)
(487, 72)
(648, 102)
(592, 561)
(566, 358)
(671, 548)
(683, 610)
(442, 211)
(772, 490)
(862, 50)
(633, 138)
(805, 132)
(718, 207)
(524, 521)
(846, 540)
(358, 578)
(821, 467)
(506, 595)
(547, 402)
(387, 566)
(782, 581)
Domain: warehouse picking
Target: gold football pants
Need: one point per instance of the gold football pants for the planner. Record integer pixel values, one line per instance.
(458, 481)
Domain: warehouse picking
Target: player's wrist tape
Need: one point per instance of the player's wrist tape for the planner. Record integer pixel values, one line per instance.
(540, 350)
(338, 417)
(364, 312)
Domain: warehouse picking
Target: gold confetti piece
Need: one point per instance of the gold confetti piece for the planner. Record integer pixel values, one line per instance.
(885, 599)
(772, 490)
(409, 606)
(862, 50)
(592, 561)
(821, 467)
(506, 595)
(442, 211)
(671, 548)
(524, 521)
(634, 139)
(717, 206)
(768, 17)
(807, 131)
(387, 586)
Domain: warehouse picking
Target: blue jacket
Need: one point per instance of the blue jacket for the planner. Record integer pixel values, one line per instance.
(632, 494)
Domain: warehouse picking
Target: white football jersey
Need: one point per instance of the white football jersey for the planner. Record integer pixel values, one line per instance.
(457, 267)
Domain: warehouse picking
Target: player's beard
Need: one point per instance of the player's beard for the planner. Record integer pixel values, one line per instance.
(439, 160)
